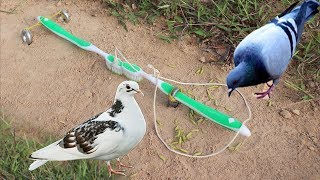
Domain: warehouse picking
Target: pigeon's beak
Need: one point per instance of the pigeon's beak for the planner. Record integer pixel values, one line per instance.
(230, 91)
(139, 91)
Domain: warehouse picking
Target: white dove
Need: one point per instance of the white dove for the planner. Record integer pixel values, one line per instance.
(106, 136)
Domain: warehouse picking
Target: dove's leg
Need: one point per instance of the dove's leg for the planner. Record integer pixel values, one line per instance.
(263, 94)
(271, 87)
(112, 171)
(122, 165)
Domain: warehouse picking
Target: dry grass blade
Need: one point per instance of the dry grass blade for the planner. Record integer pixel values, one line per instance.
(162, 157)
(197, 153)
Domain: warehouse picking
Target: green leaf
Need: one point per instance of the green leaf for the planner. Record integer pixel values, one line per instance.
(224, 28)
(306, 97)
(165, 38)
(178, 19)
(200, 32)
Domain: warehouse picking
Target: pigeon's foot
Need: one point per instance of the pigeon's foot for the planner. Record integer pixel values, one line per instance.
(269, 85)
(263, 94)
(122, 165)
(112, 171)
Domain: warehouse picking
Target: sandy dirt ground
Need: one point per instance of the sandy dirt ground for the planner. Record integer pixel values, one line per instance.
(52, 85)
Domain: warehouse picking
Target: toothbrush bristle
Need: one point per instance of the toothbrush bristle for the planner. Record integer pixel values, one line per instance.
(121, 70)
(133, 77)
(114, 69)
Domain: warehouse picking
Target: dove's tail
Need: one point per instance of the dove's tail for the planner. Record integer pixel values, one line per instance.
(306, 11)
(312, 8)
(37, 164)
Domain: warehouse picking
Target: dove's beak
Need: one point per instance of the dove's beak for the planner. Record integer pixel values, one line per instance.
(230, 91)
(139, 91)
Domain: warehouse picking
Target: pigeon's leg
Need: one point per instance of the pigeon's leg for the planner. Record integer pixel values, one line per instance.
(122, 165)
(263, 94)
(271, 87)
(269, 84)
(112, 171)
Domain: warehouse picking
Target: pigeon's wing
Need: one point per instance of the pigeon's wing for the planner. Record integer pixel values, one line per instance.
(91, 139)
(277, 47)
(274, 43)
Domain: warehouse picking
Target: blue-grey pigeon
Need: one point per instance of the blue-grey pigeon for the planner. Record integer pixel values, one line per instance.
(266, 52)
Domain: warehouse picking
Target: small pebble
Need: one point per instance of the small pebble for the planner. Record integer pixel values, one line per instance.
(203, 59)
(285, 114)
(296, 112)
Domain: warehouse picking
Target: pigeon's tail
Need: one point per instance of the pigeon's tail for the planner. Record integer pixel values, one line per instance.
(37, 164)
(312, 8)
(306, 11)
(301, 13)
(54, 152)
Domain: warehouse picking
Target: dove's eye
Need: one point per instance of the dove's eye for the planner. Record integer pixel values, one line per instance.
(235, 82)
(127, 86)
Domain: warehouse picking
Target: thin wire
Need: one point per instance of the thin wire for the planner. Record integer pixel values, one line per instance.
(38, 23)
(34, 25)
(156, 74)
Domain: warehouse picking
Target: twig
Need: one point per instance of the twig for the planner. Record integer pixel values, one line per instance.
(295, 87)
(8, 12)
(12, 9)
(186, 23)
(197, 24)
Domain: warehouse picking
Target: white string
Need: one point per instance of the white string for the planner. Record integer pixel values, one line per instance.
(156, 74)
(196, 84)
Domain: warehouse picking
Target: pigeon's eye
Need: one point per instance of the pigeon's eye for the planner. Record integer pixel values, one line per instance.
(235, 82)
(127, 86)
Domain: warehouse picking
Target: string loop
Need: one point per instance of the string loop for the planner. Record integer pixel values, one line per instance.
(156, 74)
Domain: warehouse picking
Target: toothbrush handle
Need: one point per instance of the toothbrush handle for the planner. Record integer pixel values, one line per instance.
(202, 109)
(210, 113)
(60, 31)
(55, 28)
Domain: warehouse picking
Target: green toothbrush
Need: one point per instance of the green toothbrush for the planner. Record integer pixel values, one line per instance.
(134, 72)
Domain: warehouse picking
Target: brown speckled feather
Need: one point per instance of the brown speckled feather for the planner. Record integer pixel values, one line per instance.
(83, 137)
